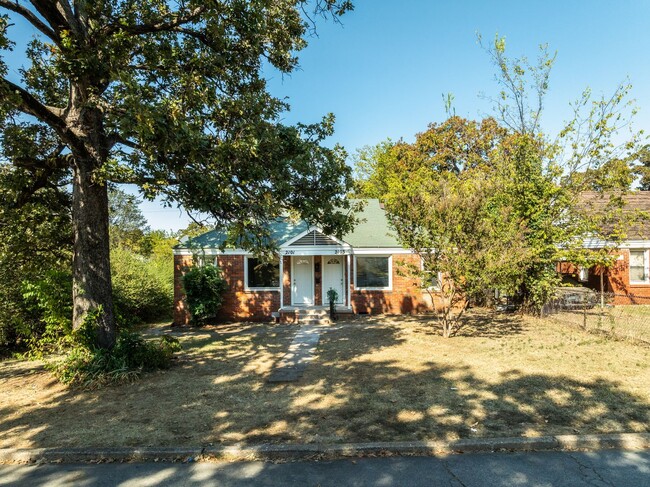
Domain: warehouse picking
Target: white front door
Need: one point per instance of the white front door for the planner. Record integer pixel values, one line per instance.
(333, 278)
(302, 280)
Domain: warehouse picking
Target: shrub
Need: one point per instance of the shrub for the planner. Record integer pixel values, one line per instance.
(204, 288)
(35, 305)
(142, 288)
(90, 367)
(49, 301)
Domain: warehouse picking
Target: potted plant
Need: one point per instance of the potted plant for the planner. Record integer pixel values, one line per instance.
(333, 297)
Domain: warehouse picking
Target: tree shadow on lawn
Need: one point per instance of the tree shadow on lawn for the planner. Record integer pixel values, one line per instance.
(476, 323)
(217, 393)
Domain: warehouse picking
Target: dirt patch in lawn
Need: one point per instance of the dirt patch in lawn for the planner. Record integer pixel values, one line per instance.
(372, 380)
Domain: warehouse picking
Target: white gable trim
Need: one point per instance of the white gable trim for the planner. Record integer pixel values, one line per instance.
(307, 232)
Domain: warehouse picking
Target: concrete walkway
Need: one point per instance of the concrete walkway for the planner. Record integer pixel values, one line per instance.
(300, 353)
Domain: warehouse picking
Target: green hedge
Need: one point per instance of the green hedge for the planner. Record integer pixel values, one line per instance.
(204, 289)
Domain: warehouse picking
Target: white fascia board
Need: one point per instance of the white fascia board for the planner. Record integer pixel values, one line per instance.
(381, 250)
(200, 251)
(595, 243)
(344, 249)
(317, 250)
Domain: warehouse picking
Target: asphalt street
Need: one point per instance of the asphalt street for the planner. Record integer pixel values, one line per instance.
(603, 468)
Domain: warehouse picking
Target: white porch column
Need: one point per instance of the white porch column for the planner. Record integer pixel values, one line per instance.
(281, 280)
(348, 292)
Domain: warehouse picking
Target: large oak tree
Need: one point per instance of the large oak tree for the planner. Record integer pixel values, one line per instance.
(169, 95)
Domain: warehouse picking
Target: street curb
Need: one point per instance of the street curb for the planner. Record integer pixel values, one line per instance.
(291, 452)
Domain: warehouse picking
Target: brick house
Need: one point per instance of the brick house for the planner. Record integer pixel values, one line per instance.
(629, 277)
(362, 268)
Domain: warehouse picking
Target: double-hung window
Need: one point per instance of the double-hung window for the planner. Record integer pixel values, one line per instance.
(262, 275)
(433, 280)
(639, 271)
(203, 260)
(373, 272)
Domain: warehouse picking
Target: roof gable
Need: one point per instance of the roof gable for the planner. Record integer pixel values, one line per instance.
(313, 238)
(372, 231)
(635, 204)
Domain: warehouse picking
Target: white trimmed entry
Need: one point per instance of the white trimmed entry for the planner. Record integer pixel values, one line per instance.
(333, 277)
(302, 280)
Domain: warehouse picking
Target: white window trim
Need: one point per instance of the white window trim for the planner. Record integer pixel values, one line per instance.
(583, 274)
(436, 288)
(646, 266)
(431, 288)
(247, 288)
(390, 274)
(203, 260)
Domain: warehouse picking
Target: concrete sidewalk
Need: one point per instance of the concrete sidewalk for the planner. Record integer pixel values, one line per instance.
(548, 469)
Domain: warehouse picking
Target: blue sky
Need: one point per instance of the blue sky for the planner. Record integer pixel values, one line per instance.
(384, 71)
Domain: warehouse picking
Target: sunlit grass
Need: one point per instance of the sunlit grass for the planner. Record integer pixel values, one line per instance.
(372, 380)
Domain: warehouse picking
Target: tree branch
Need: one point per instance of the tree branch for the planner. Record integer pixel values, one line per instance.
(41, 180)
(49, 11)
(115, 138)
(31, 18)
(161, 26)
(69, 14)
(140, 180)
(30, 105)
(54, 160)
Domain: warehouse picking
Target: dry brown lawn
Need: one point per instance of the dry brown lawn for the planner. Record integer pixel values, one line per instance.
(624, 321)
(373, 379)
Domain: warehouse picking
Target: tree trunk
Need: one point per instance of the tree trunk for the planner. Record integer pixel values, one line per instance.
(91, 271)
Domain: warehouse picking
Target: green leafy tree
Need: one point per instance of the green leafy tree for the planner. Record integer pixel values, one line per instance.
(462, 228)
(168, 96)
(35, 249)
(127, 225)
(548, 175)
(643, 168)
(541, 180)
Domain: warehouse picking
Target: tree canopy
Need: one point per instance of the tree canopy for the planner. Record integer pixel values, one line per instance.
(523, 186)
(170, 96)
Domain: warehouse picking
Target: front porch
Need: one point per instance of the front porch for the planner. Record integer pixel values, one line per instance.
(311, 265)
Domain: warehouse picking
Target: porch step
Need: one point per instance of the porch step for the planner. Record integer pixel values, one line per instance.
(312, 316)
(312, 312)
(322, 321)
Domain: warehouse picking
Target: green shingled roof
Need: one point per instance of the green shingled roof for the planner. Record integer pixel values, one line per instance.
(372, 231)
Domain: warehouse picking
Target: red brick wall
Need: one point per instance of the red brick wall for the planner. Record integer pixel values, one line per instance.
(616, 280)
(286, 281)
(318, 281)
(238, 304)
(405, 297)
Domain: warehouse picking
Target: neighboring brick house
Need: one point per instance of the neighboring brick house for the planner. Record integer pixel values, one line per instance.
(629, 277)
(362, 268)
